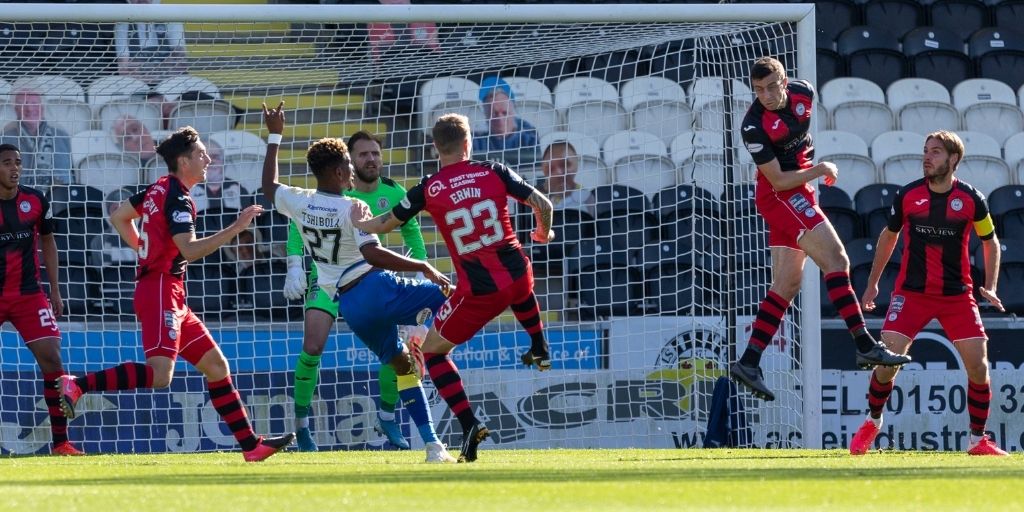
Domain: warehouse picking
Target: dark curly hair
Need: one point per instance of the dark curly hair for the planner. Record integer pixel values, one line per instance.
(327, 154)
(177, 144)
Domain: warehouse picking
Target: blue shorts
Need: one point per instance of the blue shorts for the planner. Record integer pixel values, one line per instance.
(380, 302)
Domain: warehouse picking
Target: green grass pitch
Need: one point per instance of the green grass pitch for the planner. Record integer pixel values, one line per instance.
(520, 480)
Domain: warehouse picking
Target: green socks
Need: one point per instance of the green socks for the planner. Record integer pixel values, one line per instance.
(307, 372)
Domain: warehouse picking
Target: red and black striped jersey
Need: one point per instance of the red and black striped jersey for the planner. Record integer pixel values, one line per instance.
(167, 210)
(22, 220)
(468, 201)
(782, 134)
(935, 236)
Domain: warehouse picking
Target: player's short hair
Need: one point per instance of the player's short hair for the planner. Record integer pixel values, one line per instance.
(364, 135)
(449, 132)
(9, 147)
(327, 154)
(765, 66)
(950, 142)
(177, 144)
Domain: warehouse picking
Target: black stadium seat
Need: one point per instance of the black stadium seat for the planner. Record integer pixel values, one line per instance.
(1007, 13)
(872, 53)
(937, 54)
(872, 203)
(603, 279)
(838, 207)
(963, 17)
(895, 16)
(1006, 205)
(834, 16)
(998, 54)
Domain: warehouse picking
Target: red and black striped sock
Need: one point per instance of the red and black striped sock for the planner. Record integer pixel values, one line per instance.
(527, 313)
(766, 324)
(449, 384)
(228, 403)
(51, 395)
(840, 292)
(878, 395)
(978, 398)
(117, 378)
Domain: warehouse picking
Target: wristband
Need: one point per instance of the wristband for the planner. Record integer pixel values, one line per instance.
(274, 138)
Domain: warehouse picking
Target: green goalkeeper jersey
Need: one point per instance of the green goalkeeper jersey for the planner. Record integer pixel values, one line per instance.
(388, 194)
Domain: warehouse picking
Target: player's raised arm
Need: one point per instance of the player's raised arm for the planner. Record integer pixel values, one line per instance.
(364, 220)
(274, 119)
(193, 249)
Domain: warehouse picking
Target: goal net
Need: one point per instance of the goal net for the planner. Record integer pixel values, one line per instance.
(646, 297)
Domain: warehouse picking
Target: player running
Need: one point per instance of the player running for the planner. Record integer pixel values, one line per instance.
(380, 193)
(933, 214)
(166, 241)
(468, 201)
(25, 223)
(351, 263)
(775, 132)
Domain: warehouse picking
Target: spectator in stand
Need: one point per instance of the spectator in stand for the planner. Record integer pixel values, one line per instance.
(166, 107)
(506, 132)
(217, 192)
(132, 136)
(387, 36)
(559, 164)
(45, 149)
(150, 52)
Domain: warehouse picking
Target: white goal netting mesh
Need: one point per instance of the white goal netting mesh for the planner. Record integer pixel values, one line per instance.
(646, 297)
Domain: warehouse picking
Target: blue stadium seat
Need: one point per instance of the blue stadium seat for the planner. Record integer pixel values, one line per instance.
(999, 55)
(937, 53)
(872, 53)
(1006, 205)
(963, 17)
(872, 204)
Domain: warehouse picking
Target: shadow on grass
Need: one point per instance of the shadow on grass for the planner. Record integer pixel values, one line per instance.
(486, 474)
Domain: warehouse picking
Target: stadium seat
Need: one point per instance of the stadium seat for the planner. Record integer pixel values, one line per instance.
(963, 17)
(872, 53)
(101, 164)
(1011, 275)
(620, 209)
(570, 226)
(244, 153)
(147, 113)
(109, 88)
(658, 106)
(824, 116)
(449, 94)
(639, 160)
(548, 73)
(895, 16)
(117, 289)
(708, 103)
(64, 99)
(897, 156)
(850, 153)
(829, 64)
(1013, 152)
(857, 106)
(838, 207)
(990, 107)
(590, 106)
(983, 165)
(65, 199)
(678, 206)
(1006, 205)
(922, 105)
(614, 67)
(872, 203)
(206, 287)
(674, 284)
(261, 287)
(203, 112)
(591, 172)
(862, 254)
(700, 157)
(535, 103)
(172, 88)
(74, 231)
(1007, 13)
(673, 61)
(78, 289)
(936, 53)
(999, 54)
(834, 16)
(604, 280)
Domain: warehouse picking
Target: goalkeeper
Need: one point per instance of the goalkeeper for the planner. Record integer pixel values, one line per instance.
(381, 194)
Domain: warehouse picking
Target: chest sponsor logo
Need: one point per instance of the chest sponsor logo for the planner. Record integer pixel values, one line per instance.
(435, 188)
(799, 203)
(25, 206)
(956, 205)
(181, 216)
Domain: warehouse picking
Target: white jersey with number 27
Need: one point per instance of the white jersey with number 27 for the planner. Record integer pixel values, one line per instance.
(327, 231)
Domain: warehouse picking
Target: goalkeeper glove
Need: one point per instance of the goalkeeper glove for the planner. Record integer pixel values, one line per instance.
(295, 283)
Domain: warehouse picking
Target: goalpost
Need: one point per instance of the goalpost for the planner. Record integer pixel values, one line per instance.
(647, 297)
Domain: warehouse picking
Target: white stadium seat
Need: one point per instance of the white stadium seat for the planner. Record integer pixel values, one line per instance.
(897, 156)
(988, 106)
(922, 105)
(1013, 153)
(148, 113)
(450, 95)
(590, 106)
(534, 103)
(983, 165)
(175, 86)
(857, 106)
(850, 154)
(244, 153)
(101, 164)
(110, 88)
(639, 160)
(707, 101)
(699, 157)
(658, 106)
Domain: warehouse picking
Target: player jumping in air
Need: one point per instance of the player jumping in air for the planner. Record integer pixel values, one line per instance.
(166, 241)
(933, 215)
(775, 132)
(25, 221)
(468, 201)
(351, 263)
